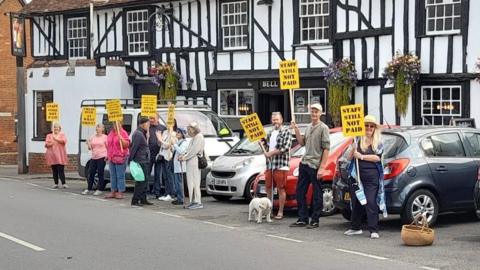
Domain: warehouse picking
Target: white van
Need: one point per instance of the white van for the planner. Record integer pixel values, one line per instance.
(219, 138)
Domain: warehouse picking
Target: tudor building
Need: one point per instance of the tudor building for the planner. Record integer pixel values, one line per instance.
(227, 52)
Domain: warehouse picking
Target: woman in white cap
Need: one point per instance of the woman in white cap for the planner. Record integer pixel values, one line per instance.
(368, 152)
(194, 150)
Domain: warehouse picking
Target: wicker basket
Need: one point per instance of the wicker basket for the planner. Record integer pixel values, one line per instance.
(418, 235)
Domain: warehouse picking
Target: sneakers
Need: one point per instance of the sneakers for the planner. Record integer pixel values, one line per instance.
(312, 225)
(85, 192)
(353, 232)
(146, 202)
(55, 186)
(111, 195)
(162, 198)
(176, 202)
(195, 206)
(97, 193)
(374, 235)
(298, 223)
(167, 198)
(65, 186)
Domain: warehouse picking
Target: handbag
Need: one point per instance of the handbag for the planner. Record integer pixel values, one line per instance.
(202, 161)
(418, 235)
(136, 171)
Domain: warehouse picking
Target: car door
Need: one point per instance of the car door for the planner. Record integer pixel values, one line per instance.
(472, 143)
(452, 170)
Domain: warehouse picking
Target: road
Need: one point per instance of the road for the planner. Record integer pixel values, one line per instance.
(61, 229)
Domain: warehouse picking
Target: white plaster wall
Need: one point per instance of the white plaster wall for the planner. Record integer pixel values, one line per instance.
(474, 98)
(374, 101)
(68, 92)
(388, 109)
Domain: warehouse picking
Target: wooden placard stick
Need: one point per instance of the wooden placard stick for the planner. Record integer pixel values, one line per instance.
(117, 126)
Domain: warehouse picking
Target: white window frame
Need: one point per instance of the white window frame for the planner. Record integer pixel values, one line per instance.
(453, 16)
(35, 114)
(309, 97)
(237, 24)
(318, 15)
(75, 34)
(139, 31)
(236, 115)
(431, 100)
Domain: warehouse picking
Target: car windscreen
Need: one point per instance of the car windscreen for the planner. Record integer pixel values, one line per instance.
(210, 124)
(336, 139)
(392, 146)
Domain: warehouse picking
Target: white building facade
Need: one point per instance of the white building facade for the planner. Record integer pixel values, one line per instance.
(227, 52)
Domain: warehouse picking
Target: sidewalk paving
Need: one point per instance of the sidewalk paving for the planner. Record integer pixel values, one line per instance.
(12, 171)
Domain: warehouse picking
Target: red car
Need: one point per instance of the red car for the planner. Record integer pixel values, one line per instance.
(338, 143)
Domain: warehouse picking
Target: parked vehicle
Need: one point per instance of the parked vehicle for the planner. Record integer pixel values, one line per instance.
(428, 170)
(477, 197)
(337, 144)
(233, 174)
(218, 136)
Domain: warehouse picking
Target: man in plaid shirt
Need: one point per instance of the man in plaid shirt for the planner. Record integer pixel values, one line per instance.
(279, 141)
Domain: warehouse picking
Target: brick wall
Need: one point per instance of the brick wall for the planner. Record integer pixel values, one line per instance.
(37, 163)
(8, 91)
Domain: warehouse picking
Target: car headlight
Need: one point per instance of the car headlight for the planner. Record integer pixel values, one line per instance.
(243, 164)
(295, 172)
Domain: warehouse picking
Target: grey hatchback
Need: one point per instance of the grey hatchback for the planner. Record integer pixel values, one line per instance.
(427, 170)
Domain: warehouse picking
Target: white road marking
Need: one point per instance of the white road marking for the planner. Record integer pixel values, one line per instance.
(429, 268)
(10, 179)
(21, 242)
(54, 189)
(71, 193)
(219, 225)
(97, 199)
(167, 214)
(32, 184)
(285, 238)
(361, 254)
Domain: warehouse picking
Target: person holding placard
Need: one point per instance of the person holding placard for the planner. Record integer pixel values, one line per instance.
(312, 167)
(97, 144)
(179, 167)
(279, 141)
(368, 152)
(117, 152)
(56, 154)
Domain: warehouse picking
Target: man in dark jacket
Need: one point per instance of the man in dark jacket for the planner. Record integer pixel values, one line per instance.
(140, 153)
(154, 164)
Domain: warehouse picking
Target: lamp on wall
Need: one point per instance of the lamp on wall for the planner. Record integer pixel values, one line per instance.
(189, 84)
(367, 72)
(265, 2)
(46, 72)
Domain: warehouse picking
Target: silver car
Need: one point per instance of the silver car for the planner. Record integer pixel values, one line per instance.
(233, 174)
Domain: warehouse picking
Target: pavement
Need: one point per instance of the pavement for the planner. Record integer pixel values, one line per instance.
(43, 228)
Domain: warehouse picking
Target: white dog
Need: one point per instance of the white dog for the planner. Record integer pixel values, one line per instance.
(260, 207)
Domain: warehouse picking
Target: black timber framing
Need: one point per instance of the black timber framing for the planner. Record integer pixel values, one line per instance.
(365, 33)
(46, 38)
(406, 34)
(107, 31)
(269, 40)
(252, 36)
(361, 16)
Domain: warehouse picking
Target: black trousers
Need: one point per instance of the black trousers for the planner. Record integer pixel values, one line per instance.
(58, 171)
(140, 191)
(370, 188)
(96, 166)
(306, 177)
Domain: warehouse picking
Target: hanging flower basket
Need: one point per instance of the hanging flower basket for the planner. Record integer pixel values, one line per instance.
(403, 71)
(166, 78)
(341, 77)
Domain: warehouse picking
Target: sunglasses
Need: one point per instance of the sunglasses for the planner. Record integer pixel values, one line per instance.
(370, 126)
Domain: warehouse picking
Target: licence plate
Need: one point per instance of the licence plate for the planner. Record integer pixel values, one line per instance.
(220, 182)
(264, 191)
(346, 196)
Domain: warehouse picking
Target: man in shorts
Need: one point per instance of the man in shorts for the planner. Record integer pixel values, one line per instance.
(279, 141)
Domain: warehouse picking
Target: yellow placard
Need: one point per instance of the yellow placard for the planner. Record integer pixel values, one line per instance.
(171, 116)
(89, 116)
(114, 110)
(149, 105)
(253, 127)
(289, 78)
(53, 112)
(352, 120)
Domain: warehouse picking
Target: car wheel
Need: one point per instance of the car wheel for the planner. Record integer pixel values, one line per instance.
(328, 206)
(249, 192)
(421, 202)
(347, 213)
(221, 198)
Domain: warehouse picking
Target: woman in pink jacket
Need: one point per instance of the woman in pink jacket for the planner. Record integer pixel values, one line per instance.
(117, 152)
(56, 154)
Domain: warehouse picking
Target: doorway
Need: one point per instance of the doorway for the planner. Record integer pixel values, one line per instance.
(268, 103)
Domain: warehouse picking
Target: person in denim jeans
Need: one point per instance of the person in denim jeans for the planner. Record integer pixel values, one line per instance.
(155, 164)
(179, 167)
(117, 152)
(167, 139)
(312, 167)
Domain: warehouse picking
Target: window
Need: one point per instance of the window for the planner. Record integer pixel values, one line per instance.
(302, 98)
(235, 25)
(235, 102)
(440, 104)
(443, 16)
(126, 123)
(314, 21)
(41, 126)
(137, 32)
(443, 145)
(473, 140)
(77, 37)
